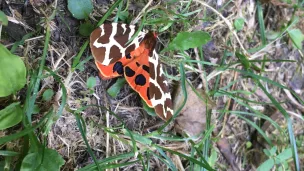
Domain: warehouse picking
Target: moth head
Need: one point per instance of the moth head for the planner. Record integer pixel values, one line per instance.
(150, 40)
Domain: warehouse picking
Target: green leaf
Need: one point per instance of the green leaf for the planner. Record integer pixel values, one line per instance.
(187, 40)
(12, 72)
(115, 88)
(82, 63)
(284, 156)
(47, 95)
(243, 59)
(267, 152)
(91, 82)
(10, 116)
(80, 9)
(50, 159)
(248, 144)
(279, 159)
(148, 109)
(239, 23)
(86, 29)
(3, 19)
(273, 150)
(267, 165)
(296, 37)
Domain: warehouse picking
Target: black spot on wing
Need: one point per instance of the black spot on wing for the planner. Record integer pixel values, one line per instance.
(118, 68)
(146, 68)
(129, 72)
(137, 64)
(140, 80)
(128, 56)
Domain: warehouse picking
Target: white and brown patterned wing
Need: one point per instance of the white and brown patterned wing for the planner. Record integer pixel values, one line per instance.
(159, 93)
(109, 42)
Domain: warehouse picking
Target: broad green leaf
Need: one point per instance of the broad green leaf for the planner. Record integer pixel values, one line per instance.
(10, 116)
(91, 82)
(187, 40)
(267, 152)
(273, 150)
(3, 19)
(51, 161)
(279, 159)
(284, 156)
(86, 29)
(12, 72)
(267, 165)
(239, 24)
(80, 9)
(47, 95)
(297, 37)
(115, 88)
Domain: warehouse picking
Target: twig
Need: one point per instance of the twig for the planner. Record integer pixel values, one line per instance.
(200, 67)
(27, 40)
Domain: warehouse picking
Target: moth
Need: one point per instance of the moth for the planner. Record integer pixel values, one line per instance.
(137, 61)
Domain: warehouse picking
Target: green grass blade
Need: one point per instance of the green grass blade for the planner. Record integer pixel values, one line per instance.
(169, 162)
(64, 92)
(290, 130)
(32, 100)
(8, 153)
(261, 22)
(191, 159)
(81, 129)
(78, 56)
(107, 160)
(293, 145)
(108, 13)
(21, 42)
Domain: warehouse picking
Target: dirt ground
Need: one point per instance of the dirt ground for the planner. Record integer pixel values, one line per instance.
(231, 135)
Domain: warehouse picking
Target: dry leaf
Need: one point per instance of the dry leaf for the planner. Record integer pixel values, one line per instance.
(225, 149)
(192, 118)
